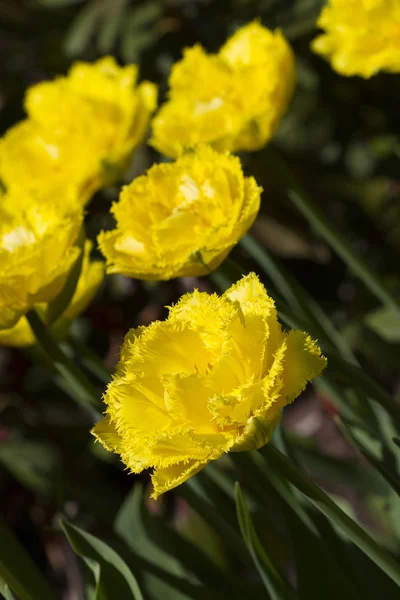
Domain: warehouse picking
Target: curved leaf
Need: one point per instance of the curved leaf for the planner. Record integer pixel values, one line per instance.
(113, 577)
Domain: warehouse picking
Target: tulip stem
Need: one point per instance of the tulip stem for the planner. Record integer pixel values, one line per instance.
(84, 392)
(331, 510)
(318, 220)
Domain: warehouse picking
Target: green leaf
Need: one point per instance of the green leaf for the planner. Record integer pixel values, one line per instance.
(57, 306)
(374, 452)
(323, 227)
(331, 510)
(5, 590)
(140, 30)
(274, 584)
(142, 16)
(113, 577)
(19, 572)
(318, 570)
(32, 463)
(82, 29)
(151, 537)
(350, 472)
(111, 26)
(130, 527)
(77, 383)
(197, 498)
(385, 321)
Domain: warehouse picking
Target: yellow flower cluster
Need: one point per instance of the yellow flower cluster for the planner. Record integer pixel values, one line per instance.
(80, 131)
(212, 378)
(233, 100)
(39, 245)
(181, 218)
(216, 374)
(361, 37)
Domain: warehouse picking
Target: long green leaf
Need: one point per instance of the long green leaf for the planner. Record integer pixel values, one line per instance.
(274, 584)
(330, 509)
(113, 577)
(5, 590)
(192, 590)
(316, 563)
(192, 492)
(130, 527)
(83, 27)
(323, 227)
(153, 538)
(84, 392)
(376, 458)
(18, 570)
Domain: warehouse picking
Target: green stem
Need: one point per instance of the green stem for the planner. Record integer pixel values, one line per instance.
(85, 393)
(331, 510)
(322, 226)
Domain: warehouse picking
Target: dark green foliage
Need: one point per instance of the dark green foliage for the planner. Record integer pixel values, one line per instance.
(333, 272)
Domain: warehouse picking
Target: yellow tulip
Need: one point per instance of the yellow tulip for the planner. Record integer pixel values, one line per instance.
(233, 100)
(182, 218)
(212, 378)
(38, 249)
(81, 129)
(91, 276)
(361, 37)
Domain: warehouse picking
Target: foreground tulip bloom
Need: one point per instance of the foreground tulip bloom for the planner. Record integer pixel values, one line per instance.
(212, 378)
(361, 36)
(233, 100)
(38, 249)
(181, 219)
(81, 129)
(92, 274)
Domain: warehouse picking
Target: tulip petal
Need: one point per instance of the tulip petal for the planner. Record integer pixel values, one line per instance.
(106, 433)
(166, 479)
(303, 362)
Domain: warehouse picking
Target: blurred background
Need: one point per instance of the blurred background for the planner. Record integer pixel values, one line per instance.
(340, 138)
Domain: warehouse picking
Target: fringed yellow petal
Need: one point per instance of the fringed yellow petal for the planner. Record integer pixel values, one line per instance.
(166, 479)
(105, 432)
(81, 129)
(206, 100)
(186, 399)
(212, 378)
(181, 219)
(361, 37)
(303, 362)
